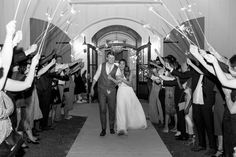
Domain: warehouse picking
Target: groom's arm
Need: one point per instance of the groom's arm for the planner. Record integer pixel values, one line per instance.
(95, 78)
(98, 73)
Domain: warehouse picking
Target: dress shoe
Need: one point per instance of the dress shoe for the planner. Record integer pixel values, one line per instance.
(198, 149)
(103, 133)
(47, 128)
(160, 125)
(24, 146)
(112, 131)
(181, 138)
(210, 152)
(68, 117)
(34, 132)
(120, 133)
(174, 130)
(219, 153)
(33, 142)
(177, 133)
(38, 130)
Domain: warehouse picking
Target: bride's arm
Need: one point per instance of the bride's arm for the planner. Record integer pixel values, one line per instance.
(129, 82)
(113, 80)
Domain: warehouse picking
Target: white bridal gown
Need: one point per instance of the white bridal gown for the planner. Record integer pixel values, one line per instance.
(129, 111)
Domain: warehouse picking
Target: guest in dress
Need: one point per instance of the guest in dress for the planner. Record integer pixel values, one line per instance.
(79, 87)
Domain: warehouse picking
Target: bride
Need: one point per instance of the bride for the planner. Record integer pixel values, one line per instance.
(129, 111)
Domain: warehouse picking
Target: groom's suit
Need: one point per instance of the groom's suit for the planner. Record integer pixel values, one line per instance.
(107, 95)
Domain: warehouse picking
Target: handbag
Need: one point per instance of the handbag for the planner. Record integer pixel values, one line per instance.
(12, 140)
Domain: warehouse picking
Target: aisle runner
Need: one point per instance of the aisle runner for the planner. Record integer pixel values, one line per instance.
(139, 143)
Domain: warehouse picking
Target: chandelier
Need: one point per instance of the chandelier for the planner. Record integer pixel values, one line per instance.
(117, 46)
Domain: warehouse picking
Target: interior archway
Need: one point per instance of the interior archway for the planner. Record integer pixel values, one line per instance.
(122, 40)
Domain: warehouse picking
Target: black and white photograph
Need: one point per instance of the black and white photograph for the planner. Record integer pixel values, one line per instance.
(117, 78)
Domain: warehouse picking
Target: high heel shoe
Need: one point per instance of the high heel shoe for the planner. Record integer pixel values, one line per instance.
(37, 139)
(24, 146)
(33, 142)
(219, 153)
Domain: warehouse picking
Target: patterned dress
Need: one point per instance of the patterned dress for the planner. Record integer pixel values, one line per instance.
(169, 100)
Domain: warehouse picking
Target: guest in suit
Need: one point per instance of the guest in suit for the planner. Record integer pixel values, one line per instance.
(203, 101)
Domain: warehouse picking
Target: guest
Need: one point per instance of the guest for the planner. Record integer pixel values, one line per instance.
(69, 95)
(203, 100)
(79, 87)
(154, 107)
(43, 84)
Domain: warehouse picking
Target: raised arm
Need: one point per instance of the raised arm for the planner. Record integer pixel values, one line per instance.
(31, 49)
(46, 68)
(7, 51)
(219, 73)
(15, 86)
(198, 56)
(76, 61)
(194, 66)
(160, 58)
(217, 55)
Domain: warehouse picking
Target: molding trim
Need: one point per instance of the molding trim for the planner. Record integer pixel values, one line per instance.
(114, 2)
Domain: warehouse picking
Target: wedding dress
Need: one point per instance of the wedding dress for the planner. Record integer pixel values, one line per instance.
(129, 111)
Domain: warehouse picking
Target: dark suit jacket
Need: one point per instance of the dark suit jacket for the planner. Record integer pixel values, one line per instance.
(208, 83)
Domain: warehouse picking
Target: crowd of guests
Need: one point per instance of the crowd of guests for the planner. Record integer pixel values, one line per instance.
(34, 88)
(199, 94)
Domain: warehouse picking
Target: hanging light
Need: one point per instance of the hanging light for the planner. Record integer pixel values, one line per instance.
(150, 8)
(84, 45)
(72, 10)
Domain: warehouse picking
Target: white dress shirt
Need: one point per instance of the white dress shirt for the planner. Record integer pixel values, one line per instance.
(198, 94)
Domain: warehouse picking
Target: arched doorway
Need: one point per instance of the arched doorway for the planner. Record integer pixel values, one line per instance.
(122, 40)
(126, 43)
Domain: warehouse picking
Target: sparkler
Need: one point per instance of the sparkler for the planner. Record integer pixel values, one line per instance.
(17, 8)
(49, 22)
(27, 8)
(188, 20)
(38, 39)
(152, 10)
(194, 15)
(171, 14)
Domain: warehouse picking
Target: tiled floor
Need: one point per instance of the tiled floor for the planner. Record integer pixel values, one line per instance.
(139, 143)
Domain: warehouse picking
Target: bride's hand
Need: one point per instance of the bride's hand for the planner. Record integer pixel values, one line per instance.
(118, 77)
(122, 79)
(119, 81)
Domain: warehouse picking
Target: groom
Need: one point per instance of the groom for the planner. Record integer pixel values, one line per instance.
(106, 91)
